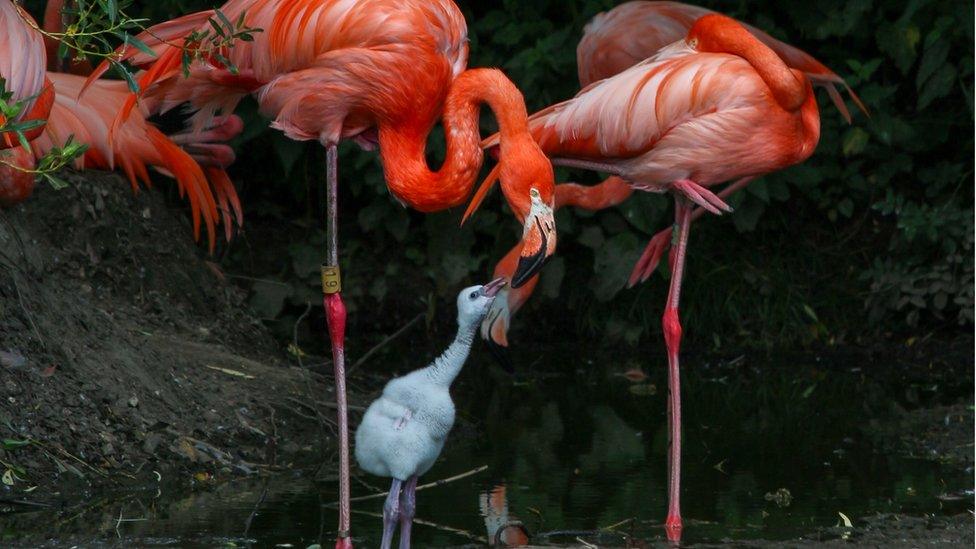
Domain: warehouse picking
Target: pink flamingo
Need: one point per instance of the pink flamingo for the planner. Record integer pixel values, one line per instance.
(376, 71)
(22, 62)
(717, 106)
(612, 42)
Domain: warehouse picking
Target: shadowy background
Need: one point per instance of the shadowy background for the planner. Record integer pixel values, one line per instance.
(870, 240)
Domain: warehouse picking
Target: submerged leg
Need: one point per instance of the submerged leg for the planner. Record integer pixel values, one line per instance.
(391, 513)
(335, 315)
(408, 508)
(672, 338)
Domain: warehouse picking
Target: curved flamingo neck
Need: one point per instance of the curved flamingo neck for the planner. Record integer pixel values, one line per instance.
(403, 146)
(721, 34)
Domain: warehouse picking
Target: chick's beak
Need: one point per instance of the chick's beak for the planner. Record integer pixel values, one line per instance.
(492, 288)
(538, 242)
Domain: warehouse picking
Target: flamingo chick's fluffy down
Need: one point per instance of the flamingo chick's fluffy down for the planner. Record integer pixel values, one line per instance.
(404, 430)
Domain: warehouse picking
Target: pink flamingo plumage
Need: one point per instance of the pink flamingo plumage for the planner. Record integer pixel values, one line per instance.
(618, 39)
(22, 62)
(612, 42)
(368, 70)
(196, 161)
(716, 106)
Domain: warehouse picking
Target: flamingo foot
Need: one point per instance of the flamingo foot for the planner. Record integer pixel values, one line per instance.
(650, 259)
(343, 543)
(701, 196)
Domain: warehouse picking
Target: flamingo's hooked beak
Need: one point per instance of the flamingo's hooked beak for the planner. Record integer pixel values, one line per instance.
(492, 288)
(538, 240)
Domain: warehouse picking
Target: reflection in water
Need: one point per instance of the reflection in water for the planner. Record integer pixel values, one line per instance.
(574, 454)
(503, 529)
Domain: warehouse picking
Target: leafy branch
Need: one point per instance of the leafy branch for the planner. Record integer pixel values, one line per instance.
(55, 159)
(97, 22)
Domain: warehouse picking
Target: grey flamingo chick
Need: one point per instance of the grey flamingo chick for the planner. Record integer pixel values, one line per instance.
(404, 430)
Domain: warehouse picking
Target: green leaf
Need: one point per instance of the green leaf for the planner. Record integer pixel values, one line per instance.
(11, 443)
(855, 141)
(846, 207)
(613, 262)
(938, 86)
(760, 189)
(747, 214)
(140, 45)
(224, 20)
(220, 32)
(934, 57)
(56, 182)
(126, 75)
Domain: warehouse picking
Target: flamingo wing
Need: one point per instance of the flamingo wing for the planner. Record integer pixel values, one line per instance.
(631, 32)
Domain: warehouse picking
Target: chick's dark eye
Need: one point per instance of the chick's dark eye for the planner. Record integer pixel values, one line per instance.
(473, 295)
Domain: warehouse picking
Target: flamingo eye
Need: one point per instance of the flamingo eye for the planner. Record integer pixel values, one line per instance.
(693, 43)
(474, 295)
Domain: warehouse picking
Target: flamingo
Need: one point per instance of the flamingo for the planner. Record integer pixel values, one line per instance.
(379, 72)
(612, 42)
(22, 70)
(22, 63)
(716, 106)
(403, 431)
(196, 161)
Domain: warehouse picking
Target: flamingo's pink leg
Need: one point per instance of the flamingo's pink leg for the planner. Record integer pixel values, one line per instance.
(335, 314)
(672, 338)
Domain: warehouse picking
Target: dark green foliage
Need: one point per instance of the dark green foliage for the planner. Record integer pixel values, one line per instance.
(874, 234)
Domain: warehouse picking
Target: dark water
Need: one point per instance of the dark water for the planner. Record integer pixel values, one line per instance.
(773, 450)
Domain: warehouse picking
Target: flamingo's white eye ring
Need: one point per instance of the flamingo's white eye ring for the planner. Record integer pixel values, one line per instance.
(474, 295)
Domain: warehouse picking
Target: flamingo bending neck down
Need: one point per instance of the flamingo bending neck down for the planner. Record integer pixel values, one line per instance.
(329, 70)
(717, 106)
(403, 431)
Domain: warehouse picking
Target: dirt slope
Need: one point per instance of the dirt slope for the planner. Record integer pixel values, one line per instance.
(123, 351)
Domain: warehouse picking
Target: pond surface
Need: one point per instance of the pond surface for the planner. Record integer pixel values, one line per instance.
(575, 450)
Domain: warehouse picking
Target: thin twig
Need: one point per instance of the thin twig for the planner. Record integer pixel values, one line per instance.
(24, 503)
(616, 524)
(298, 355)
(257, 505)
(442, 527)
(440, 482)
(385, 341)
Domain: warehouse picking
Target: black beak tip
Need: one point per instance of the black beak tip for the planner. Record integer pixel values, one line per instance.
(528, 267)
(501, 355)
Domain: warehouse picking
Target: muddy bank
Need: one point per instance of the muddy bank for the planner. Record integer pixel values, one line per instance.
(123, 351)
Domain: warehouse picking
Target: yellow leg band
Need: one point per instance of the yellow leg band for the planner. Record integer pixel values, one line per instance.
(331, 281)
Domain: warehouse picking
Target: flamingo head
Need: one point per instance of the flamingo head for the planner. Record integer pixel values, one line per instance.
(527, 180)
(474, 302)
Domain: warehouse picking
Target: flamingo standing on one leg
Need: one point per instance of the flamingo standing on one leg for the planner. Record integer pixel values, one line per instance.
(334, 69)
(717, 106)
(612, 42)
